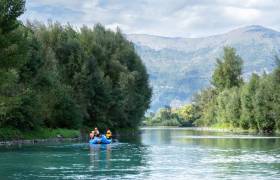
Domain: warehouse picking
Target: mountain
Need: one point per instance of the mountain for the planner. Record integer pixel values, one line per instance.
(180, 67)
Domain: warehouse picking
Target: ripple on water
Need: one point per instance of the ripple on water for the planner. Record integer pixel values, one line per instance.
(226, 137)
(159, 156)
(243, 158)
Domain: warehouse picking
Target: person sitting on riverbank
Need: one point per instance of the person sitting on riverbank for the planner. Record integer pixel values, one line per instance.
(108, 134)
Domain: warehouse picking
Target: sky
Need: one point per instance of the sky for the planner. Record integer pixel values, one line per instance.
(172, 18)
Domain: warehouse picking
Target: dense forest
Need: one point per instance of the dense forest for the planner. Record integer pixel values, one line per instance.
(58, 76)
(230, 102)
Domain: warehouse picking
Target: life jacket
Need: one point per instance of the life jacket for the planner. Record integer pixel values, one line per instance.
(108, 134)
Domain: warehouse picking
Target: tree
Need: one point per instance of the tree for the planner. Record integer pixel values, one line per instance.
(205, 107)
(248, 91)
(186, 115)
(221, 108)
(232, 103)
(276, 92)
(13, 54)
(10, 11)
(228, 70)
(233, 107)
(54, 76)
(264, 105)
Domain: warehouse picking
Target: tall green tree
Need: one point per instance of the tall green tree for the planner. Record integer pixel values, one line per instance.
(263, 105)
(13, 54)
(10, 10)
(233, 107)
(228, 70)
(248, 92)
(205, 105)
(276, 92)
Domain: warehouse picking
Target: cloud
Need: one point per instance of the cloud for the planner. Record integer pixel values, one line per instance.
(242, 14)
(191, 18)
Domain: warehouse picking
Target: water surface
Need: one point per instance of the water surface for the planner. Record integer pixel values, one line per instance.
(156, 153)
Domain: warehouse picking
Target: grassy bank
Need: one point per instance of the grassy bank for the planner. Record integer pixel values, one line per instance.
(216, 128)
(237, 130)
(7, 134)
(230, 128)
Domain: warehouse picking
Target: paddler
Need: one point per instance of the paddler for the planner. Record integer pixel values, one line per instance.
(91, 135)
(108, 134)
(96, 132)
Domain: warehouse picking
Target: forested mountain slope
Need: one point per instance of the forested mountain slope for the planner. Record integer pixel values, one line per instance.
(179, 67)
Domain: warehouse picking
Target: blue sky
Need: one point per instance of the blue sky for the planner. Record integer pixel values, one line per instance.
(174, 18)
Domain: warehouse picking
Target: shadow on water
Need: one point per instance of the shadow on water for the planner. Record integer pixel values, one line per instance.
(123, 159)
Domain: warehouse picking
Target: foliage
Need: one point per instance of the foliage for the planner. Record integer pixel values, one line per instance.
(230, 103)
(228, 71)
(10, 10)
(54, 76)
(247, 97)
(9, 133)
(183, 116)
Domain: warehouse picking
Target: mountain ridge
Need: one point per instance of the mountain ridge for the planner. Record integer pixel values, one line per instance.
(244, 28)
(179, 67)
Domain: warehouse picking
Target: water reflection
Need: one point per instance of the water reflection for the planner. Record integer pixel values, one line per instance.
(211, 154)
(100, 156)
(117, 160)
(156, 136)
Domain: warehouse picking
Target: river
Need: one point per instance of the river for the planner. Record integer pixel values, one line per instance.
(156, 153)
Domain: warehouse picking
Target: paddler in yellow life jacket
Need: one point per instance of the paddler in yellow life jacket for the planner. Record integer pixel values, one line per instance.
(108, 134)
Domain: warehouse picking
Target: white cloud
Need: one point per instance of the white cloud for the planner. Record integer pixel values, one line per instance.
(242, 14)
(169, 18)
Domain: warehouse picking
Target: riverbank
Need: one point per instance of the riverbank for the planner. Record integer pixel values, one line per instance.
(236, 130)
(211, 129)
(38, 141)
(9, 136)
